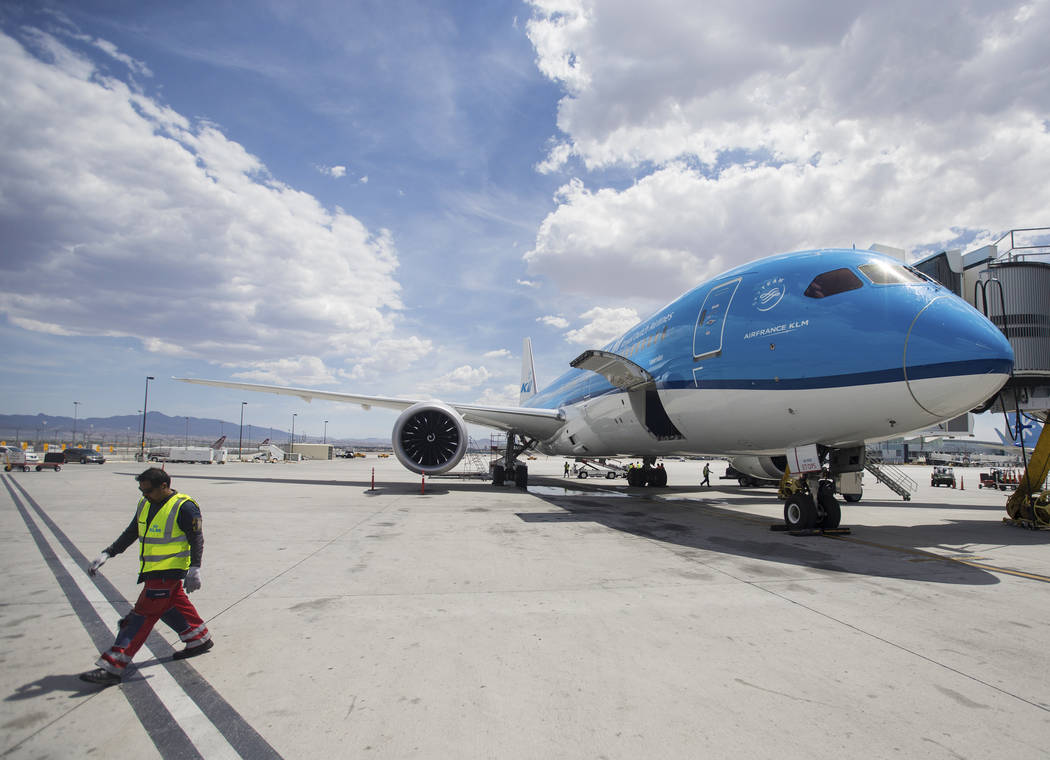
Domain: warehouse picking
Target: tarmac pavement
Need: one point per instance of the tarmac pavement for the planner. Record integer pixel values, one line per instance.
(579, 619)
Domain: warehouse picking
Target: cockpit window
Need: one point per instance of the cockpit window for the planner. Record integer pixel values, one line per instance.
(885, 273)
(830, 283)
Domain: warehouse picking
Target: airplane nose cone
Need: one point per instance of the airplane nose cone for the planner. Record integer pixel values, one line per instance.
(954, 358)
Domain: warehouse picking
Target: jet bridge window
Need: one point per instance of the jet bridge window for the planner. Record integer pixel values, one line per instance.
(885, 273)
(830, 283)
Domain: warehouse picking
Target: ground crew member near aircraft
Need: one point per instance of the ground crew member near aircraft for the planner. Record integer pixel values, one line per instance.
(171, 544)
(566, 469)
(707, 474)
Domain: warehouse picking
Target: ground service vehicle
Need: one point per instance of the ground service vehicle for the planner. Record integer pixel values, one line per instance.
(942, 476)
(15, 459)
(52, 461)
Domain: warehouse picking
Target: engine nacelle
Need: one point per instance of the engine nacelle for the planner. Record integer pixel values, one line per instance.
(429, 438)
(761, 467)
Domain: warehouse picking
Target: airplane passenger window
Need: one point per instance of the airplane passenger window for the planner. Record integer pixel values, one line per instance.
(830, 283)
(884, 273)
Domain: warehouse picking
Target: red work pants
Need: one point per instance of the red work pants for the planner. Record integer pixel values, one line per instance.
(160, 600)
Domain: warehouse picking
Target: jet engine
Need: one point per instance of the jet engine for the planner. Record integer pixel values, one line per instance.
(758, 468)
(429, 438)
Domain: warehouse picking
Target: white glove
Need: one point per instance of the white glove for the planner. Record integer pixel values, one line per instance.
(193, 579)
(98, 562)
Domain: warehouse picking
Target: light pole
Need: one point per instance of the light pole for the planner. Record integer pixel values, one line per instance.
(325, 439)
(291, 443)
(75, 405)
(240, 435)
(145, 401)
(186, 440)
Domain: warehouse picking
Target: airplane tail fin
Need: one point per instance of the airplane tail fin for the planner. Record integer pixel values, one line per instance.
(528, 373)
(218, 444)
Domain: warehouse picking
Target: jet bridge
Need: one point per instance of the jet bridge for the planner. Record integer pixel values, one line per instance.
(1009, 282)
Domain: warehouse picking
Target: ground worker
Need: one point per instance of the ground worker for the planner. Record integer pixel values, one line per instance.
(171, 545)
(566, 469)
(707, 474)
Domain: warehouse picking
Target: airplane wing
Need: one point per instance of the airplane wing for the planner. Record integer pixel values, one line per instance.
(532, 423)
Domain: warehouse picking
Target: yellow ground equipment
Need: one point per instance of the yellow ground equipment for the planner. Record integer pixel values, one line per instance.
(1029, 505)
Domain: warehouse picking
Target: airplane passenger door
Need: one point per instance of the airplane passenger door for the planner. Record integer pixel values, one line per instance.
(711, 322)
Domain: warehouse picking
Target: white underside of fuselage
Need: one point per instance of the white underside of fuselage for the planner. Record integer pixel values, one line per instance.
(738, 421)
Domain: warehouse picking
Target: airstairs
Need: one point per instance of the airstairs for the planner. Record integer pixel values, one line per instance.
(892, 477)
(473, 464)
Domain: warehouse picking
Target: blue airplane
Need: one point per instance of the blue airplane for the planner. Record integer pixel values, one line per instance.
(797, 359)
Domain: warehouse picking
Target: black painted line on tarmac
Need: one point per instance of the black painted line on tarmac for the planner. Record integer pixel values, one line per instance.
(163, 730)
(244, 739)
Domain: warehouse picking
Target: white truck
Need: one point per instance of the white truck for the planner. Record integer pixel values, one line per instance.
(188, 454)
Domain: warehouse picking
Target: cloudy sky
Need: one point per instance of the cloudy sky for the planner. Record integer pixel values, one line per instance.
(385, 197)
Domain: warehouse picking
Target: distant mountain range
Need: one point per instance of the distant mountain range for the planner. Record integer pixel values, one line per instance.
(159, 427)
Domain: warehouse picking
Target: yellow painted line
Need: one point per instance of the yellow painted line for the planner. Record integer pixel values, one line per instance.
(925, 555)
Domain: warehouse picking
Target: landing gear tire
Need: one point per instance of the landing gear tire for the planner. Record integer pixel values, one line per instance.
(658, 478)
(832, 510)
(800, 513)
(635, 478)
(498, 475)
(521, 477)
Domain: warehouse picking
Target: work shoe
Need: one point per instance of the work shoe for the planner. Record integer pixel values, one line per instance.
(193, 651)
(100, 676)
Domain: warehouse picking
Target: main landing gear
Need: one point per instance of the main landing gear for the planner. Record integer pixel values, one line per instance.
(509, 468)
(647, 475)
(803, 512)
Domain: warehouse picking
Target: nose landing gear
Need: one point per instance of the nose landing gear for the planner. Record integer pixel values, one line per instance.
(803, 512)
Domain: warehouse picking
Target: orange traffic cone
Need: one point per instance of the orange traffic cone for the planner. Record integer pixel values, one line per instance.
(962, 483)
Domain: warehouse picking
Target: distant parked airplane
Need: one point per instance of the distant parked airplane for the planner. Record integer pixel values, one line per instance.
(802, 356)
(1029, 434)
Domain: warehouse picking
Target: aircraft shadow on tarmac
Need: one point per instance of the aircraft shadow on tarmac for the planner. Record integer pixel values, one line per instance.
(697, 522)
(430, 488)
(932, 553)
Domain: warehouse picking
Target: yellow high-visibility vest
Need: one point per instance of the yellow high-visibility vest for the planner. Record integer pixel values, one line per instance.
(163, 544)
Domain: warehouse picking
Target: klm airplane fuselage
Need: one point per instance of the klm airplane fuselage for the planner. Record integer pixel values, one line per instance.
(829, 348)
(834, 347)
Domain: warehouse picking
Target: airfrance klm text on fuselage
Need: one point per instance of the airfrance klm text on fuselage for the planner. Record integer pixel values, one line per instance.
(831, 348)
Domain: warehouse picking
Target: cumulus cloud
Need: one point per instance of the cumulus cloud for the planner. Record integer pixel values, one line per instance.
(389, 356)
(460, 379)
(752, 128)
(299, 370)
(337, 172)
(169, 232)
(499, 353)
(558, 323)
(604, 325)
(557, 157)
(503, 395)
(136, 66)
